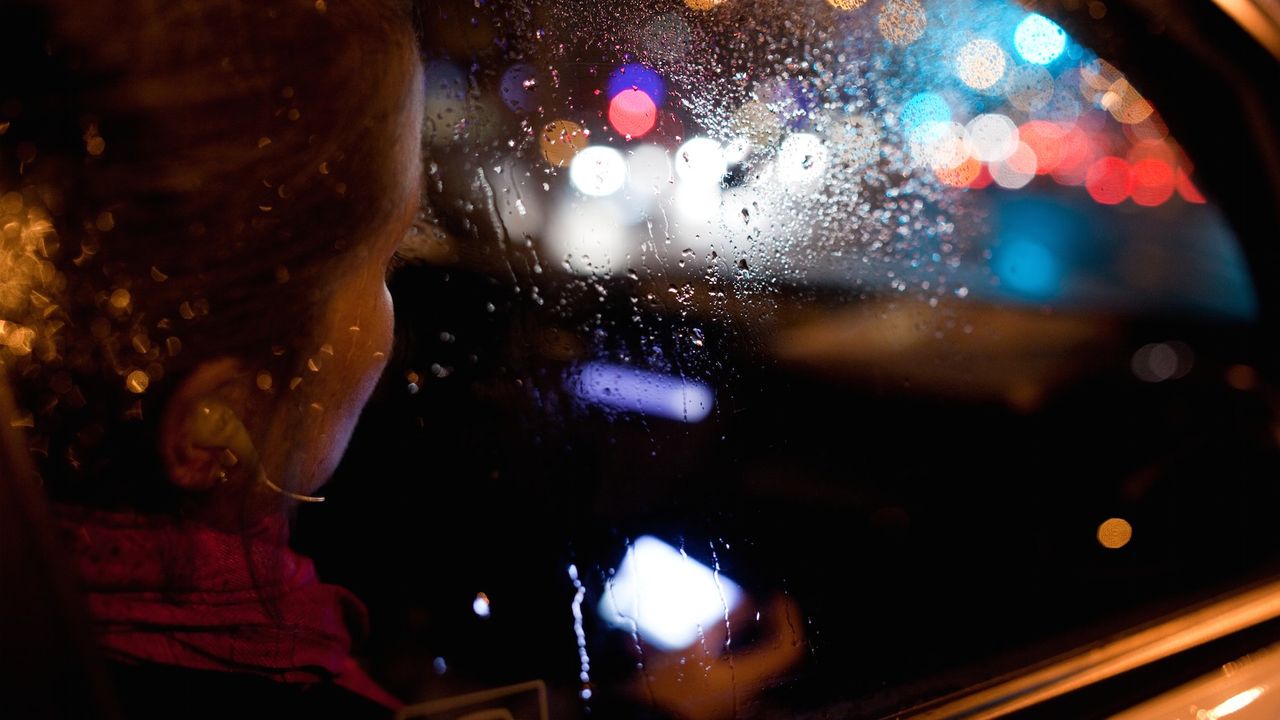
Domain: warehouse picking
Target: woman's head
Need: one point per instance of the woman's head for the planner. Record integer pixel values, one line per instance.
(199, 199)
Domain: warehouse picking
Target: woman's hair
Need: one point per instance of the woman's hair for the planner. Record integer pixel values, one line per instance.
(178, 181)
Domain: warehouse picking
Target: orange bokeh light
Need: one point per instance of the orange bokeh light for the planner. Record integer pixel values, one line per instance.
(961, 175)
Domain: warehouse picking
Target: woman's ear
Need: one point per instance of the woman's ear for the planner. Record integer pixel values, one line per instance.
(193, 462)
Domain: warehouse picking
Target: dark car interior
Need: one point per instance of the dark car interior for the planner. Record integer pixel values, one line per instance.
(916, 436)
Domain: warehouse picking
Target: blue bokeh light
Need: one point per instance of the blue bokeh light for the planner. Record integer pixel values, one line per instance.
(519, 88)
(631, 390)
(1039, 40)
(1028, 268)
(923, 111)
(639, 77)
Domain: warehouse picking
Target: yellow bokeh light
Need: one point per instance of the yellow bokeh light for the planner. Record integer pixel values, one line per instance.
(756, 123)
(561, 140)
(902, 22)
(846, 4)
(1115, 533)
(137, 382)
(1096, 78)
(702, 5)
(120, 299)
(980, 64)
(1125, 103)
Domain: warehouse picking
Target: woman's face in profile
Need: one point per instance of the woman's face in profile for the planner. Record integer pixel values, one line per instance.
(356, 325)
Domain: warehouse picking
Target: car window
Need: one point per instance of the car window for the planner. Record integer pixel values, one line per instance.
(795, 359)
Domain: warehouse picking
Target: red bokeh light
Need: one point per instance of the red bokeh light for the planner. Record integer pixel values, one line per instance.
(1152, 150)
(1187, 190)
(982, 179)
(1109, 180)
(1077, 156)
(1153, 182)
(632, 113)
(1045, 140)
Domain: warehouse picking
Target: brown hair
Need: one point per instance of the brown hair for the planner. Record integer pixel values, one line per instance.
(178, 180)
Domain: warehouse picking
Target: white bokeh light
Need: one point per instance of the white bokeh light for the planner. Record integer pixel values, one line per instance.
(591, 237)
(940, 145)
(1016, 170)
(1039, 40)
(980, 64)
(649, 170)
(598, 171)
(992, 137)
(666, 596)
(802, 159)
(701, 161)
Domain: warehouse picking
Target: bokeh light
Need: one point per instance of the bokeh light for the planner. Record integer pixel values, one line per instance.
(519, 88)
(1125, 103)
(1187, 190)
(1152, 128)
(1153, 182)
(1064, 105)
(1045, 140)
(666, 596)
(1077, 157)
(921, 109)
(1016, 170)
(649, 170)
(1096, 78)
(1114, 533)
(635, 76)
(980, 64)
(756, 123)
(598, 171)
(445, 100)
(561, 140)
(632, 390)
(802, 159)
(993, 137)
(962, 175)
(983, 180)
(1039, 40)
(1152, 150)
(1027, 267)
(589, 238)
(846, 4)
(632, 113)
(1109, 180)
(940, 145)
(1158, 362)
(902, 22)
(701, 161)
(855, 140)
(665, 40)
(1029, 87)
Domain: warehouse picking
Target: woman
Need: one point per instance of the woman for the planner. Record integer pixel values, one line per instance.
(198, 205)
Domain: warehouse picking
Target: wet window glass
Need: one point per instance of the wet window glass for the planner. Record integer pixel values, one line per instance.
(804, 359)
